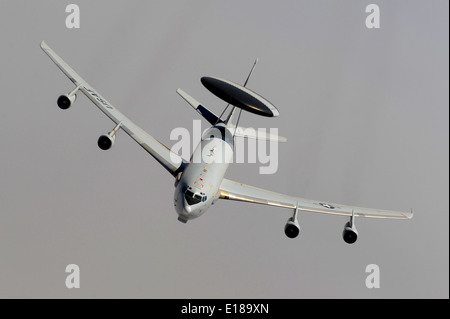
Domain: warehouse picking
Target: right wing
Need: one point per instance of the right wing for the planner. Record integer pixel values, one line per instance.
(172, 162)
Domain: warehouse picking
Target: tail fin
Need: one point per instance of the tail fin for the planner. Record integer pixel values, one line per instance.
(207, 114)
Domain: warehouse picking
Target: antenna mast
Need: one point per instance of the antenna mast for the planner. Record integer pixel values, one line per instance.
(245, 84)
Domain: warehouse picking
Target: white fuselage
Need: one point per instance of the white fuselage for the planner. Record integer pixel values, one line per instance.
(198, 186)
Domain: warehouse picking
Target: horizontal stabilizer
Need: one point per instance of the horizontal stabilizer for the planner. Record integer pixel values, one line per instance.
(207, 114)
(257, 134)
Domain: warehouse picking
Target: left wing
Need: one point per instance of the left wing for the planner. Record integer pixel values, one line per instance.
(171, 161)
(240, 192)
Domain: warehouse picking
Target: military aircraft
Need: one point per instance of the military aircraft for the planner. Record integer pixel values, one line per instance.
(199, 184)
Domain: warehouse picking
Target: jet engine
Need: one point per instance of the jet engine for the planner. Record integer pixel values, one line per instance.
(350, 234)
(292, 228)
(105, 142)
(66, 101)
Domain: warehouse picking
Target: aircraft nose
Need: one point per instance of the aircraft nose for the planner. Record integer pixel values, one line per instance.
(185, 214)
(186, 207)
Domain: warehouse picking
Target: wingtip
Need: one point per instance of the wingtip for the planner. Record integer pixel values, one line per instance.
(408, 215)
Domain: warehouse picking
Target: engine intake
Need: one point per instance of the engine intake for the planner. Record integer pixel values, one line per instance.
(105, 142)
(66, 101)
(292, 228)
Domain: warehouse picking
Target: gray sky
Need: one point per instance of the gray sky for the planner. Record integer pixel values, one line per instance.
(365, 113)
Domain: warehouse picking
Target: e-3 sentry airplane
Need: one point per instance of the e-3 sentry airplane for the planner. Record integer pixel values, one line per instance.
(198, 184)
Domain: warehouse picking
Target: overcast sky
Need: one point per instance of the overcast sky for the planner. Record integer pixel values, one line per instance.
(365, 112)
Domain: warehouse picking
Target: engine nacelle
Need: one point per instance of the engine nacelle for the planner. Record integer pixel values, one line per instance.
(66, 101)
(350, 234)
(292, 228)
(105, 142)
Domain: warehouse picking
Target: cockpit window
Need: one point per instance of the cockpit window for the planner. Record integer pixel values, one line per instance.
(192, 198)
